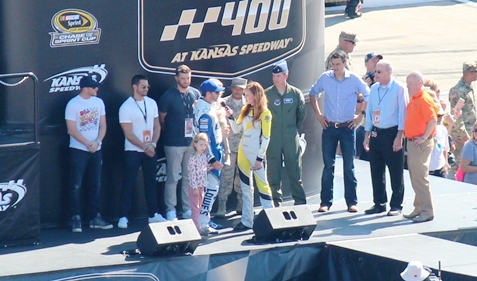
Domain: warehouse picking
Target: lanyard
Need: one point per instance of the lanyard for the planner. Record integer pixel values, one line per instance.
(144, 113)
(379, 95)
(187, 106)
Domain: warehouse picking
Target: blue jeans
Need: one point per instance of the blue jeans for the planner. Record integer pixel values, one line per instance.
(132, 161)
(78, 162)
(329, 141)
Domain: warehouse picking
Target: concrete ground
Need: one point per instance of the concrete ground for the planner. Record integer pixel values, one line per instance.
(434, 38)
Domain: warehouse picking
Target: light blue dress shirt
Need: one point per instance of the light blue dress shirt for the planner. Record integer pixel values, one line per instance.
(391, 101)
(340, 95)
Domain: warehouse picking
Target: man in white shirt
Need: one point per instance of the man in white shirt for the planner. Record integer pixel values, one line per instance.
(86, 123)
(139, 119)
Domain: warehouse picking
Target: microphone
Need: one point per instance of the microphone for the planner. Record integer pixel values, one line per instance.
(223, 104)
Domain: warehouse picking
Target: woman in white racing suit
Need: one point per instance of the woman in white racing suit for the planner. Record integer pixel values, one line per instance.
(255, 120)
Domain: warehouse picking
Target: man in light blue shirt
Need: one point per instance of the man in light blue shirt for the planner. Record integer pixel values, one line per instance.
(385, 117)
(339, 122)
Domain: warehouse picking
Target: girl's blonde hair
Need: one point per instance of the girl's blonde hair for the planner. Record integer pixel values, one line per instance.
(200, 137)
(261, 101)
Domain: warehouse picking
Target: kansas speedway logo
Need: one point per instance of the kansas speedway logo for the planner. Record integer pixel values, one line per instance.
(11, 194)
(219, 38)
(68, 81)
(74, 27)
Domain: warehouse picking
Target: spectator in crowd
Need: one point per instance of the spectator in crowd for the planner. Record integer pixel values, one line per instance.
(439, 165)
(139, 119)
(385, 116)
(342, 88)
(468, 161)
(287, 105)
(198, 167)
(177, 118)
(347, 42)
(370, 61)
(85, 117)
(255, 120)
(230, 178)
(415, 271)
(207, 122)
(465, 91)
(353, 8)
(419, 129)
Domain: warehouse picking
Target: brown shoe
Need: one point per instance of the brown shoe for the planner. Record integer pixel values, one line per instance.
(323, 209)
(352, 209)
(412, 215)
(422, 218)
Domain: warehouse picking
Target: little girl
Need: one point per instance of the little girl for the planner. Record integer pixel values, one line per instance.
(198, 166)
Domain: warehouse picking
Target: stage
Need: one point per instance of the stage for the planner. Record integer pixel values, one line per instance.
(344, 246)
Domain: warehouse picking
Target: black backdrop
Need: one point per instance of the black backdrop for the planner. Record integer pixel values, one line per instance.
(119, 53)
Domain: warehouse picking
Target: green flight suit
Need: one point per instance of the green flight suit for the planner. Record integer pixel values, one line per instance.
(288, 111)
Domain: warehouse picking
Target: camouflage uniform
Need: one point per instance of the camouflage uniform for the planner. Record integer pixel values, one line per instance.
(328, 60)
(230, 176)
(463, 126)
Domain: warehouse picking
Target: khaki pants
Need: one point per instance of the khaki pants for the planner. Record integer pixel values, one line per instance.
(418, 160)
(177, 158)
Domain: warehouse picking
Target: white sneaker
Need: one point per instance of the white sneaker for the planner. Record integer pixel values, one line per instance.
(187, 214)
(157, 218)
(171, 216)
(123, 222)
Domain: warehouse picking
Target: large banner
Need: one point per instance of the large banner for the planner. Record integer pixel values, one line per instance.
(19, 194)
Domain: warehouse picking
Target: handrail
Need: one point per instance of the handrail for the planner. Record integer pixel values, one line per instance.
(26, 75)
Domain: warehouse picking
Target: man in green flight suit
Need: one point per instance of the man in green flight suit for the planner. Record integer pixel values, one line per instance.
(287, 105)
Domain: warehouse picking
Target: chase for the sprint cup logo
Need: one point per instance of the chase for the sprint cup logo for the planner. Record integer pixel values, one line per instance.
(11, 193)
(68, 81)
(74, 27)
(219, 38)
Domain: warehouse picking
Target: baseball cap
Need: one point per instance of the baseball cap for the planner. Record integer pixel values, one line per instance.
(348, 36)
(239, 82)
(210, 86)
(88, 81)
(372, 56)
(415, 271)
(469, 66)
(280, 66)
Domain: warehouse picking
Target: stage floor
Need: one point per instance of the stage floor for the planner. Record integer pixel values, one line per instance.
(455, 209)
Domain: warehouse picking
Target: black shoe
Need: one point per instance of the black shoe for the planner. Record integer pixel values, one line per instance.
(238, 213)
(241, 227)
(215, 225)
(376, 209)
(394, 212)
(357, 15)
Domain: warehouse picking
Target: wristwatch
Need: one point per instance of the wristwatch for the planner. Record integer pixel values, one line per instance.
(363, 112)
(99, 142)
(153, 144)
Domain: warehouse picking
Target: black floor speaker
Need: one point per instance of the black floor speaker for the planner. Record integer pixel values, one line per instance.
(284, 224)
(169, 238)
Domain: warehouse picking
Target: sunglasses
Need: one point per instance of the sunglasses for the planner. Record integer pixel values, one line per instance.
(352, 42)
(145, 87)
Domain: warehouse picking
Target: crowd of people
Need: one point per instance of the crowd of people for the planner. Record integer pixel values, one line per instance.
(242, 142)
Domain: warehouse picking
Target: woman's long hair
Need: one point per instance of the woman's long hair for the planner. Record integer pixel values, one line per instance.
(261, 101)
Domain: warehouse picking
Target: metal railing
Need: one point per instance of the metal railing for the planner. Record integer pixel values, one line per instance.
(24, 76)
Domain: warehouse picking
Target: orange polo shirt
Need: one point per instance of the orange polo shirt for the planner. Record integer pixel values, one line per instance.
(420, 110)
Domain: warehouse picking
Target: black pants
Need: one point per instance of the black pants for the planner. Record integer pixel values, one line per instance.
(381, 154)
(351, 7)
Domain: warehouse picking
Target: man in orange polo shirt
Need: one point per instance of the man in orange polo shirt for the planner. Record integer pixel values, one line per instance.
(419, 129)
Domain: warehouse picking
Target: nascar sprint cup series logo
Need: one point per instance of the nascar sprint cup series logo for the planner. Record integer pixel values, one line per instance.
(219, 38)
(11, 193)
(68, 81)
(74, 27)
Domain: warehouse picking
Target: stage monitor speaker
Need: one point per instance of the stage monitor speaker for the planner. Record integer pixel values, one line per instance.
(169, 238)
(284, 224)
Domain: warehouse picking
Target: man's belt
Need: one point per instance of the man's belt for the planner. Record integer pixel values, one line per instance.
(416, 138)
(339, 125)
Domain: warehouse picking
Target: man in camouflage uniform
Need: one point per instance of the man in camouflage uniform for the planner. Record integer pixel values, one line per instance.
(347, 42)
(287, 105)
(230, 175)
(463, 126)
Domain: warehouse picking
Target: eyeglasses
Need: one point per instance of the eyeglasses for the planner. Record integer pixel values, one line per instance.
(352, 42)
(145, 87)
